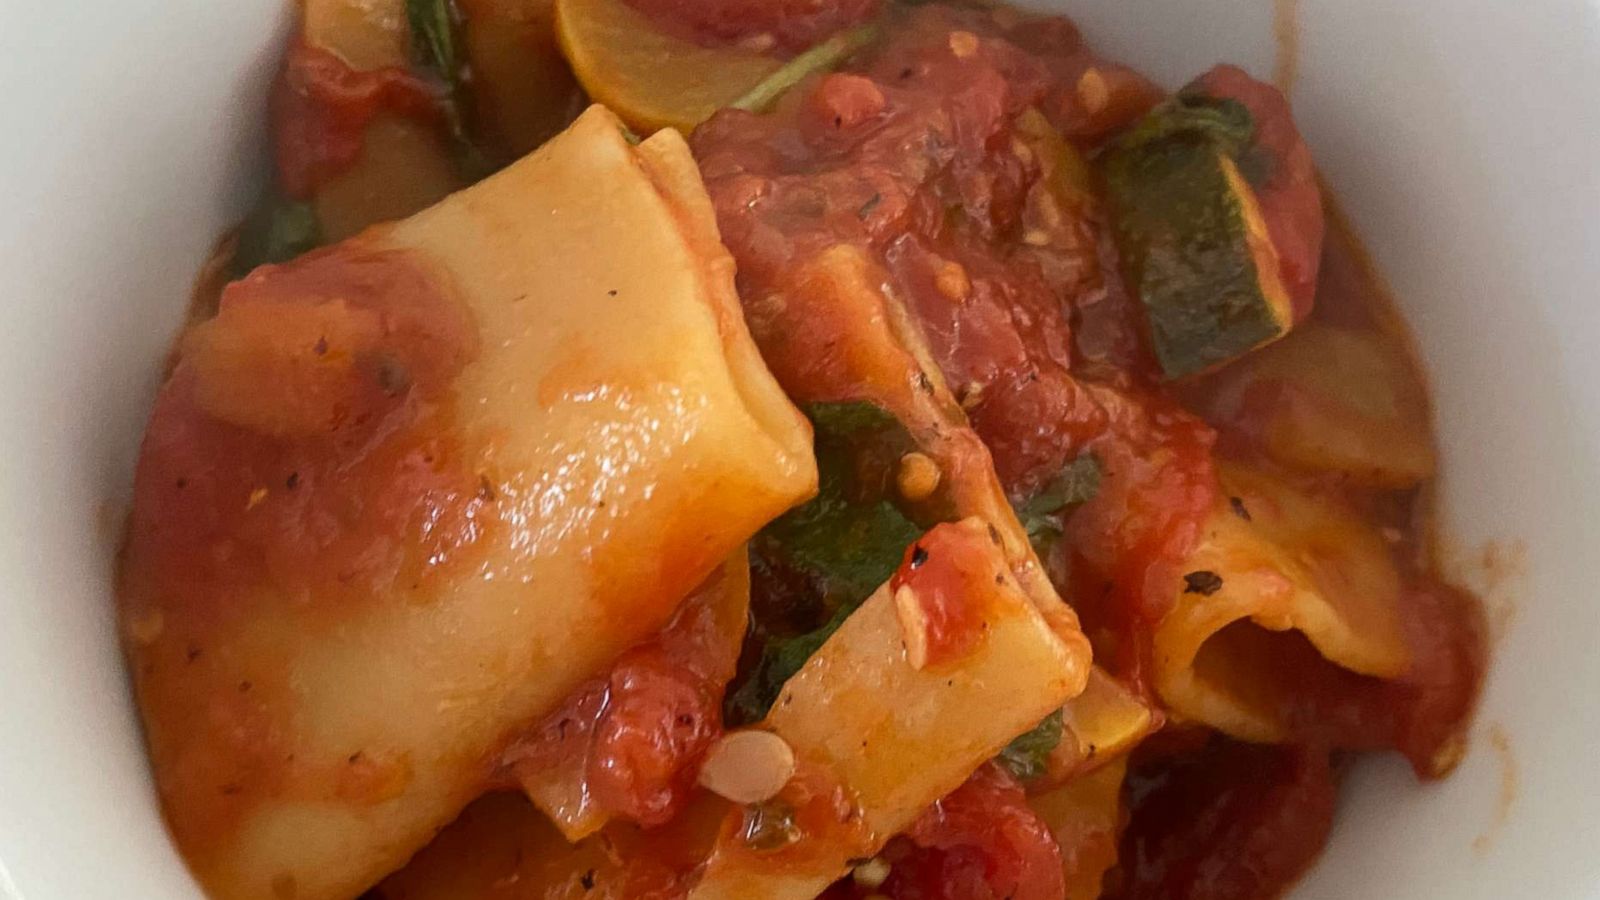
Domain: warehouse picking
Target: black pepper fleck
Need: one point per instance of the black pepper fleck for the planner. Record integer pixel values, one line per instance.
(867, 207)
(1238, 508)
(1202, 582)
(918, 556)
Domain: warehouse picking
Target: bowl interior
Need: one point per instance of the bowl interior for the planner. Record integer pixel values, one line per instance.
(1461, 138)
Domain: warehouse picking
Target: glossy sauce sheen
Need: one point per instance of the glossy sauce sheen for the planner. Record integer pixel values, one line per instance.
(940, 573)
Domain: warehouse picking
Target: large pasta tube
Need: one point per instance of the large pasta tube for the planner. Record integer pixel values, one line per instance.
(402, 495)
(925, 682)
(839, 335)
(1287, 596)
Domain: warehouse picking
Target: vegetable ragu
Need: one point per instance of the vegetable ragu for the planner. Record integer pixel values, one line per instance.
(880, 449)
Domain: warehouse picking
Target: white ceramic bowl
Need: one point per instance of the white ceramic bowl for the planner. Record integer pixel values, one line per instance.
(1463, 136)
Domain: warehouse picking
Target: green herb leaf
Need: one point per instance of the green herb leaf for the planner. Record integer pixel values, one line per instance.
(824, 57)
(277, 230)
(780, 660)
(433, 34)
(435, 39)
(1075, 484)
(1027, 757)
(846, 541)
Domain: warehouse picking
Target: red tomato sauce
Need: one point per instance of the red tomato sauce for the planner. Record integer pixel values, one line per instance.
(321, 109)
(304, 440)
(791, 25)
(915, 157)
(303, 444)
(982, 842)
(1229, 821)
(938, 571)
(633, 739)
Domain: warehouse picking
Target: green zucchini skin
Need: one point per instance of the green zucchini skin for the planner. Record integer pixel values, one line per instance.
(1191, 237)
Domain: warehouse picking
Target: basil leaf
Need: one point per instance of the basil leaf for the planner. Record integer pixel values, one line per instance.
(1075, 484)
(844, 543)
(1027, 757)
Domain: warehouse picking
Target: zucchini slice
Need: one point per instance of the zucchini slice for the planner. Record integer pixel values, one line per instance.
(1193, 241)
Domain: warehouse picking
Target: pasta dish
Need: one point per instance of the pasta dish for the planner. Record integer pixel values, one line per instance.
(722, 449)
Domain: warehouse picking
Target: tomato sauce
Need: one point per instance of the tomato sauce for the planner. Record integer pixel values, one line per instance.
(303, 443)
(914, 157)
(629, 743)
(924, 157)
(323, 387)
(790, 25)
(321, 109)
(982, 842)
(1230, 822)
(943, 584)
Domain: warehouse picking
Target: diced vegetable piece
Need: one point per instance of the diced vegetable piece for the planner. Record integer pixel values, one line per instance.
(405, 164)
(1331, 399)
(1085, 817)
(649, 78)
(405, 167)
(1279, 166)
(1192, 237)
(522, 90)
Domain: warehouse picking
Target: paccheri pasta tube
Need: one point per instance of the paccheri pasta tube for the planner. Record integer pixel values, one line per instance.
(400, 496)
